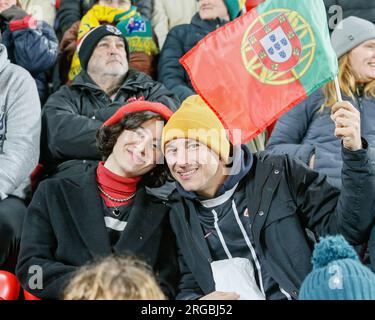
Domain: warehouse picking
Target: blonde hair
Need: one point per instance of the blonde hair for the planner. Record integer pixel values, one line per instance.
(114, 278)
(348, 84)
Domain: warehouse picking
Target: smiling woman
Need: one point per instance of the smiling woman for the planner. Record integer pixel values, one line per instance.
(109, 207)
(307, 131)
(310, 131)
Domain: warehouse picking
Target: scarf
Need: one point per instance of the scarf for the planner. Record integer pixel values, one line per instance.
(135, 28)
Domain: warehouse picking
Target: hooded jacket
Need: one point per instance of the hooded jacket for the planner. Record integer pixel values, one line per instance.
(72, 115)
(305, 130)
(19, 127)
(278, 200)
(33, 48)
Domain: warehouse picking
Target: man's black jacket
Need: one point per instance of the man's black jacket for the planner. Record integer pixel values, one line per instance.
(284, 198)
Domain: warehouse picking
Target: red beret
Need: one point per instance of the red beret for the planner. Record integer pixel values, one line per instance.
(139, 106)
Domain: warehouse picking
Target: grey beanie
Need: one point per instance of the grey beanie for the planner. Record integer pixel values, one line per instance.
(350, 33)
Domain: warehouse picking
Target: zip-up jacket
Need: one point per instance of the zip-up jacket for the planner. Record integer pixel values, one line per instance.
(284, 199)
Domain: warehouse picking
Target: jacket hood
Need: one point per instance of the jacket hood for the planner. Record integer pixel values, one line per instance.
(4, 61)
(242, 162)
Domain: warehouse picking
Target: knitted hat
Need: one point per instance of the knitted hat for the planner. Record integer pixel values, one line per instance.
(337, 274)
(195, 120)
(234, 7)
(350, 33)
(139, 106)
(90, 40)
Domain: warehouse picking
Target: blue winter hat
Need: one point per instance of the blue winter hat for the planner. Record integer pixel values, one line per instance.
(337, 273)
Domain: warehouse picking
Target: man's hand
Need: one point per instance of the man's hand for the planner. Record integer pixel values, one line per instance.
(218, 295)
(348, 125)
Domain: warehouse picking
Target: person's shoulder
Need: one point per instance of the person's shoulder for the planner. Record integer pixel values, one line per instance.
(139, 80)
(269, 158)
(15, 72)
(180, 30)
(75, 180)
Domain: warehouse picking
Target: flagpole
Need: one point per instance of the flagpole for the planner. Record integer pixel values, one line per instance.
(338, 91)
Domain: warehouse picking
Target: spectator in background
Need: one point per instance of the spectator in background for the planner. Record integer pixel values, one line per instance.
(306, 131)
(170, 13)
(114, 278)
(73, 114)
(134, 27)
(31, 44)
(40, 9)
(72, 11)
(19, 152)
(76, 220)
(212, 15)
(337, 273)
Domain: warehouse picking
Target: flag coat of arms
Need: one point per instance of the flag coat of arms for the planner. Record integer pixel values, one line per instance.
(257, 67)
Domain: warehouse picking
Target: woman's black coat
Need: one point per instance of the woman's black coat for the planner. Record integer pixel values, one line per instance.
(64, 229)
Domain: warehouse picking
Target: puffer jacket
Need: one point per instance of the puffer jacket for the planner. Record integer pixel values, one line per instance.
(179, 41)
(305, 130)
(33, 46)
(72, 116)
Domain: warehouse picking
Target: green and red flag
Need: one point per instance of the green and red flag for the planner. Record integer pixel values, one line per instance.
(260, 65)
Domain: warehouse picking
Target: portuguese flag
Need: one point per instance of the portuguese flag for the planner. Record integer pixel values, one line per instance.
(260, 65)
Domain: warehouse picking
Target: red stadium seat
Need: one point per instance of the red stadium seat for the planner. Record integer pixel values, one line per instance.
(9, 286)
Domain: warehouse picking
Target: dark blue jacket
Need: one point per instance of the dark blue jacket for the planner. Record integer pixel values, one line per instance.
(35, 50)
(305, 130)
(284, 199)
(180, 40)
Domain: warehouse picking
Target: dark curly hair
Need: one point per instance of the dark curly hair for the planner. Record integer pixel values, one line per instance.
(106, 138)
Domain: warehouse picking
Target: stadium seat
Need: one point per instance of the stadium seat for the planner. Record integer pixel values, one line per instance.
(9, 286)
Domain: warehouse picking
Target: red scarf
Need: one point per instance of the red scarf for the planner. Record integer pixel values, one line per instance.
(114, 185)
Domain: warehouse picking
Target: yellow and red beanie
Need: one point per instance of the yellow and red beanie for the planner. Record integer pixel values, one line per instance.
(195, 120)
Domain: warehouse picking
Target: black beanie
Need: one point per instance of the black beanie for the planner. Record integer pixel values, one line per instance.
(91, 39)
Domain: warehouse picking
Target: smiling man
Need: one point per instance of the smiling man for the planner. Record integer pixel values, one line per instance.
(73, 114)
(241, 220)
